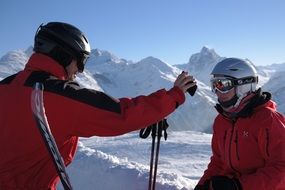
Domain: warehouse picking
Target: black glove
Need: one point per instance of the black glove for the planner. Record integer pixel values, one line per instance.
(225, 183)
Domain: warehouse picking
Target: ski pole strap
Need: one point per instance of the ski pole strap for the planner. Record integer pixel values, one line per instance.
(145, 132)
(162, 125)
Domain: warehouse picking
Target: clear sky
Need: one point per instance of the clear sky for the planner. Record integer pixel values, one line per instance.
(171, 30)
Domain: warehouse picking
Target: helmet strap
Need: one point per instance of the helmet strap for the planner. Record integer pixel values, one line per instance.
(239, 105)
(229, 103)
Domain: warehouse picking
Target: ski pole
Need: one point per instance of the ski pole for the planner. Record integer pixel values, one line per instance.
(159, 134)
(156, 130)
(153, 134)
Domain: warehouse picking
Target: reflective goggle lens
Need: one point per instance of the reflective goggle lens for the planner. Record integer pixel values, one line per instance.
(222, 84)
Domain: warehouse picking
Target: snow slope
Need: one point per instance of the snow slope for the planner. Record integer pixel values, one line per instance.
(123, 162)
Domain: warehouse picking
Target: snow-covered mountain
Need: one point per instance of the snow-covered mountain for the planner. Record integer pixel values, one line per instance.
(120, 77)
(275, 84)
(14, 61)
(201, 64)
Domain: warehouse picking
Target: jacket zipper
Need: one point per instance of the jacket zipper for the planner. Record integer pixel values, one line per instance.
(230, 148)
(267, 141)
(225, 137)
(236, 141)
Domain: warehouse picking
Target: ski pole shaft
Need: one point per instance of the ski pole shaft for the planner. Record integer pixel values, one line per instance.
(155, 164)
(159, 134)
(156, 131)
(150, 182)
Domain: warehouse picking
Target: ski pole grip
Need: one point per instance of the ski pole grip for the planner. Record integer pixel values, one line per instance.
(144, 133)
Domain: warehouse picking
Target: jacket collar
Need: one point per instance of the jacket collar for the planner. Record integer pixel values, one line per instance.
(41, 62)
(259, 100)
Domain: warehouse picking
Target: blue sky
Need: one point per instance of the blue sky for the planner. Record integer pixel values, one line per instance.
(171, 30)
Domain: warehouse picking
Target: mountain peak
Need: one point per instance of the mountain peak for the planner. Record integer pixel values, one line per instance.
(206, 48)
(150, 64)
(101, 56)
(150, 59)
(102, 53)
(202, 63)
(204, 57)
(208, 52)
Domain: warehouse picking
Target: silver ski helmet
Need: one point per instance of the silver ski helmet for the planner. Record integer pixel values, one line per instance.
(240, 72)
(62, 42)
(235, 68)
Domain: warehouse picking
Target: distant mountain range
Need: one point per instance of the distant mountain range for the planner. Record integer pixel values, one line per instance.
(119, 77)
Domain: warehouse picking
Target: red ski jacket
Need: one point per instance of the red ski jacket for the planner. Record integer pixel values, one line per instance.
(251, 149)
(72, 112)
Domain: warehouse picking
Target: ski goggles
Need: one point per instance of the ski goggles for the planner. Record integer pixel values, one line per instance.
(81, 61)
(225, 84)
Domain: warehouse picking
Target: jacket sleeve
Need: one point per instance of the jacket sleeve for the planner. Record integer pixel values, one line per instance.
(271, 141)
(215, 167)
(131, 113)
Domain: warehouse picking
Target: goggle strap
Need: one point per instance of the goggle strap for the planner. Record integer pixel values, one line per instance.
(246, 80)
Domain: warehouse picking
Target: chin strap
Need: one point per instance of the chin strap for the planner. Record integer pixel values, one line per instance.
(229, 103)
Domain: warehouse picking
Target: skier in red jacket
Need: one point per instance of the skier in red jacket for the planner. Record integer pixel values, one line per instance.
(61, 50)
(248, 141)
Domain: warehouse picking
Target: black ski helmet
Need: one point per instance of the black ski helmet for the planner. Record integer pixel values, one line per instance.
(62, 42)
